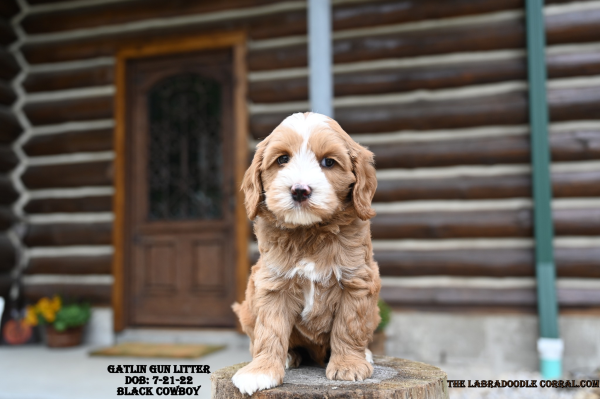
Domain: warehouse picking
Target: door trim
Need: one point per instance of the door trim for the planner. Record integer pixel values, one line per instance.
(236, 41)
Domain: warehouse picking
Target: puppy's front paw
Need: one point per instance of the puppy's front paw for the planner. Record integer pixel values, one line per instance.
(252, 378)
(349, 368)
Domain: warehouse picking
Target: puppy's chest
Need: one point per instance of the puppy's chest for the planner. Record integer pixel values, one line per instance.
(319, 290)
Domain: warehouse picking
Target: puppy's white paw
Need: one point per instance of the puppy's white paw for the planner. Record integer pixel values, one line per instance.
(369, 356)
(250, 382)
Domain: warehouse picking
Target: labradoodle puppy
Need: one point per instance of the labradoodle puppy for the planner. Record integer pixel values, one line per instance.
(315, 286)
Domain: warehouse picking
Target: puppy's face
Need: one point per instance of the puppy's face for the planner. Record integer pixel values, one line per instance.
(307, 170)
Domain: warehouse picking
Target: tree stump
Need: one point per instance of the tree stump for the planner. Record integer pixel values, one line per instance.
(392, 378)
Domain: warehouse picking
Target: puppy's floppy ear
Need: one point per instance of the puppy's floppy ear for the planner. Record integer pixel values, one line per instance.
(366, 181)
(252, 183)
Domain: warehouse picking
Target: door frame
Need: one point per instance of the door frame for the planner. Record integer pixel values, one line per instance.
(237, 42)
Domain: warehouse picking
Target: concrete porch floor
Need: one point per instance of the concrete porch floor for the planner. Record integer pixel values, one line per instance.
(37, 372)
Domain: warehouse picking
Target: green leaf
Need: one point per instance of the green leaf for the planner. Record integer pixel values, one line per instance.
(60, 326)
(74, 315)
(385, 312)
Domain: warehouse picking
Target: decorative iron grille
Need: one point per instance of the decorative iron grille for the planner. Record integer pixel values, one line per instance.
(185, 162)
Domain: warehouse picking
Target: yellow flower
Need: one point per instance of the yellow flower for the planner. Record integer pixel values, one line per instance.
(56, 303)
(31, 316)
(43, 305)
(49, 315)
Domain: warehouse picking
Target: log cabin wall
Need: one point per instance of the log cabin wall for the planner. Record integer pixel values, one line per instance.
(437, 89)
(10, 130)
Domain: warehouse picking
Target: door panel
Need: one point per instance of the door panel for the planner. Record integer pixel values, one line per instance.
(179, 219)
(157, 275)
(207, 277)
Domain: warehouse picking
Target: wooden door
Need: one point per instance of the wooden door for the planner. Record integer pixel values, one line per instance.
(180, 208)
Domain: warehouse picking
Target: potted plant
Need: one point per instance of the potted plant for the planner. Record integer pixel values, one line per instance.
(63, 322)
(379, 338)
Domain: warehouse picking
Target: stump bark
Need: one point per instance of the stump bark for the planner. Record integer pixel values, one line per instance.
(392, 378)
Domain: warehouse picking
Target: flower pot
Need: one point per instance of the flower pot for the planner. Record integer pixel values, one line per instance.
(377, 347)
(63, 339)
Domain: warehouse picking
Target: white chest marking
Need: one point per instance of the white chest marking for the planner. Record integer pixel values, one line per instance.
(309, 299)
(306, 270)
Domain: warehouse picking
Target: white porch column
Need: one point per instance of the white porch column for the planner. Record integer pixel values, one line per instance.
(320, 56)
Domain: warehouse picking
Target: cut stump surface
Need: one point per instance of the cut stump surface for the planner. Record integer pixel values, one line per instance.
(392, 378)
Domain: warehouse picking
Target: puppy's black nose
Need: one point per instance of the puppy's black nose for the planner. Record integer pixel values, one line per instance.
(300, 192)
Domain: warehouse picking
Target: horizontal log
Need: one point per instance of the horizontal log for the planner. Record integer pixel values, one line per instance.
(108, 45)
(568, 146)
(8, 8)
(8, 194)
(452, 225)
(573, 64)
(391, 80)
(576, 184)
(9, 68)
(8, 254)
(269, 26)
(62, 143)
(7, 94)
(7, 34)
(472, 151)
(573, 104)
(96, 294)
(577, 26)
(356, 83)
(506, 262)
(510, 108)
(489, 36)
(81, 109)
(7, 218)
(469, 296)
(101, 203)
(499, 35)
(430, 77)
(8, 159)
(343, 16)
(73, 265)
(572, 184)
(123, 12)
(61, 234)
(576, 222)
(46, 1)
(10, 128)
(502, 109)
(456, 296)
(70, 79)
(462, 262)
(97, 173)
(513, 223)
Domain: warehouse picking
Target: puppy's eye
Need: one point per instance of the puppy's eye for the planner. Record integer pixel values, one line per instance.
(283, 159)
(327, 162)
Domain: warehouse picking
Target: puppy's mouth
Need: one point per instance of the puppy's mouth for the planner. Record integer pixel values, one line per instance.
(301, 204)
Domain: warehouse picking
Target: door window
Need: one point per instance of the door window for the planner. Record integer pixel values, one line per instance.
(185, 162)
